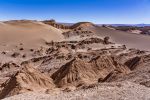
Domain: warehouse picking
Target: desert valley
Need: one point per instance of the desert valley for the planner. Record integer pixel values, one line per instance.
(46, 60)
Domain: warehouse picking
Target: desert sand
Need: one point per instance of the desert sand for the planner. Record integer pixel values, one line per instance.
(44, 60)
(138, 41)
(31, 34)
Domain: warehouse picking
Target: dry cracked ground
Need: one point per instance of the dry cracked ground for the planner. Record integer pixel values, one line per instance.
(51, 61)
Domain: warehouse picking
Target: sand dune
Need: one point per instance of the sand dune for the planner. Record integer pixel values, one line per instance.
(132, 40)
(29, 33)
(82, 25)
(138, 41)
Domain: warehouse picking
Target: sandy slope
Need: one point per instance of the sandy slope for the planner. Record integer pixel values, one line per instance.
(131, 40)
(29, 33)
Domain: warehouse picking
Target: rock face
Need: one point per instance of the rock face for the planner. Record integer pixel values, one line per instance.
(134, 62)
(25, 80)
(138, 62)
(8, 67)
(56, 25)
(78, 72)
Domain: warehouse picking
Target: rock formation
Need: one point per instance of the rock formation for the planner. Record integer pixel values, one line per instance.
(25, 80)
(56, 25)
(78, 72)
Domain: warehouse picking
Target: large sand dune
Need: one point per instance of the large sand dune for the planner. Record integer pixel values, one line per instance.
(29, 33)
(138, 41)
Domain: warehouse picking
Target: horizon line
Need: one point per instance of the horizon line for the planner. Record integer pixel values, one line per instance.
(75, 22)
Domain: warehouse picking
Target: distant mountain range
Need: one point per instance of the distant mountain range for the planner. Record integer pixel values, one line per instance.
(138, 25)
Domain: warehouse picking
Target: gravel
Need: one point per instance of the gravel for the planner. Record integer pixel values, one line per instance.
(105, 91)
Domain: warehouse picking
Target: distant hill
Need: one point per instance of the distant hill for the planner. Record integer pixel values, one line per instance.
(137, 25)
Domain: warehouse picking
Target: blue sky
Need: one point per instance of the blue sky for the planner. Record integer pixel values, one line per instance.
(97, 11)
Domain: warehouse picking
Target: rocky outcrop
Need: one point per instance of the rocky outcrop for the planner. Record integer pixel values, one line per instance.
(9, 67)
(80, 25)
(25, 80)
(76, 32)
(134, 62)
(138, 61)
(90, 41)
(78, 72)
(56, 25)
